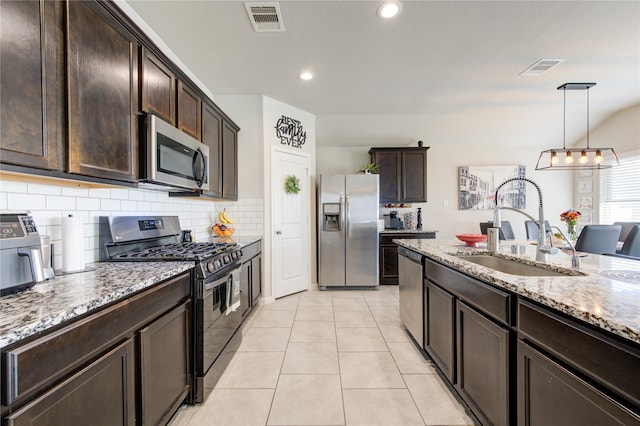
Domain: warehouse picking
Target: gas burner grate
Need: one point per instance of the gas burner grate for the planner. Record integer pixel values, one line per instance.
(177, 251)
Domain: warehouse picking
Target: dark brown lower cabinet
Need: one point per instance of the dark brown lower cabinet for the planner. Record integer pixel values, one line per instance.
(531, 365)
(549, 394)
(252, 270)
(164, 365)
(483, 365)
(129, 363)
(102, 393)
(388, 253)
(256, 279)
(245, 288)
(439, 328)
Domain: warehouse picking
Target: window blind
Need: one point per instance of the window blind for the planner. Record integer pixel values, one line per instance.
(620, 191)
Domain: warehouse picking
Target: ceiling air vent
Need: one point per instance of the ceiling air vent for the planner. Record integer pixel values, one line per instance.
(541, 67)
(265, 17)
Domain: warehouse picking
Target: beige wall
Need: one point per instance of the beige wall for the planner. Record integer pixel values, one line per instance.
(441, 212)
(622, 132)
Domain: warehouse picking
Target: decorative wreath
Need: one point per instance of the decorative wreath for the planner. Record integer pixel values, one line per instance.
(292, 184)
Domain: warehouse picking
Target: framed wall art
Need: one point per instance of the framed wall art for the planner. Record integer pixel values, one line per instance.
(585, 186)
(477, 186)
(585, 203)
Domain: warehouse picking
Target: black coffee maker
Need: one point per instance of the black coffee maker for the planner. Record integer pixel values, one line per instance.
(394, 221)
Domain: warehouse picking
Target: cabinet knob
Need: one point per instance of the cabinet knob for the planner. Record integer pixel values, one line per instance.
(278, 232)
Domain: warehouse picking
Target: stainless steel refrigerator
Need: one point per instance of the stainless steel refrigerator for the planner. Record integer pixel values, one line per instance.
(348, 230)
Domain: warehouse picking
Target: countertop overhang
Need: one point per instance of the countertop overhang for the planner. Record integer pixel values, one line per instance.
(54, 302)
(51, 303)
(608, 296)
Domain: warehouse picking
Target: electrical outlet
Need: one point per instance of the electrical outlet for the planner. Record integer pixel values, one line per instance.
(445, 203)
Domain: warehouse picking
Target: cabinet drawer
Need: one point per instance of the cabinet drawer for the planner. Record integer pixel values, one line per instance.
(251, 250)
(491, 301)
(388, 238)
(102, 393)
(33, 366)
(611, 363)
(550, 394)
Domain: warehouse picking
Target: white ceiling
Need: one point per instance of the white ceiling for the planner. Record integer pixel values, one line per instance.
(442, 71)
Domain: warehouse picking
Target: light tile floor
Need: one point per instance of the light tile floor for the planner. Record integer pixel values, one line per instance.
(335, 357)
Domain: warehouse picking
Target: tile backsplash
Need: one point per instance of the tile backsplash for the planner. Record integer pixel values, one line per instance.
(48, 203)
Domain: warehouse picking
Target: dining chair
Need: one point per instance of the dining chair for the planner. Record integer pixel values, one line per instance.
(631, 245)
(532, 228)
(626, 229)
(598, 239)
(506, 231)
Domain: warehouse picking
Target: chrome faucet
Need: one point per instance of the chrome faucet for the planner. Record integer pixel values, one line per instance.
(575, 260)
(542, 249)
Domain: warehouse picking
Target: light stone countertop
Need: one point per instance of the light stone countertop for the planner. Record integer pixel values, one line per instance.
(607, 297)
(240, 240)
(407, 231)
(54, 302)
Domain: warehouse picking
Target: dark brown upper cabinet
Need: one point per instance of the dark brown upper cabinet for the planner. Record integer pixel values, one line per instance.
(158, 87)
(229, 161)
(212, 137)
(102, 59)
(189, 110)
(403, 173)
(32, 84)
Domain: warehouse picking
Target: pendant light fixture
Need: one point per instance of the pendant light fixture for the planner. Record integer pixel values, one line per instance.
(576, 158)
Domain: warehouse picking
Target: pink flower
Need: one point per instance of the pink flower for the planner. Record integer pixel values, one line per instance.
(570, 216)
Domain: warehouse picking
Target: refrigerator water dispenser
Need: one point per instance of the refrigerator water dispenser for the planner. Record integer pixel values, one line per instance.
(331, 217)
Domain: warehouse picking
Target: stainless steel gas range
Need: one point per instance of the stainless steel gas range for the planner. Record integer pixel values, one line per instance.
(217, 313)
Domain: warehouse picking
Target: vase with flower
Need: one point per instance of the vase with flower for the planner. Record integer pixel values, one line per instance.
(571, 217)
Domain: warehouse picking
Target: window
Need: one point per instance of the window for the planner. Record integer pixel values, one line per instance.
(620, 190)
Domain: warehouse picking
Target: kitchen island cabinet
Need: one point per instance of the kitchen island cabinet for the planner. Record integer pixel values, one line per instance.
(439, 327)
(131, 350)
(529, 349)
(468, 338)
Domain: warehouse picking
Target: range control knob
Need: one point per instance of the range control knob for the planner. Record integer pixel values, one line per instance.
(210, 266)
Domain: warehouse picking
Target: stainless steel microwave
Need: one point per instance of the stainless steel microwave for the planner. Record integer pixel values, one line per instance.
(173, 158)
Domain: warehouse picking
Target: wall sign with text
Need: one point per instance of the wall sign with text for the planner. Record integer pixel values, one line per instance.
(290, 132)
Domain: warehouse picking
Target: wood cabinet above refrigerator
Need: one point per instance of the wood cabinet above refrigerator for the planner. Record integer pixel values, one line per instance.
(403, 173)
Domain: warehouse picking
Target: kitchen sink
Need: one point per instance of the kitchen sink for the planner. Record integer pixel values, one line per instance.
(516, 267)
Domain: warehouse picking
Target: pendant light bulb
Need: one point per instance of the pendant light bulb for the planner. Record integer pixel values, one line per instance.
(583, 158)
(568, 159)
(598, 159)
(554, 157)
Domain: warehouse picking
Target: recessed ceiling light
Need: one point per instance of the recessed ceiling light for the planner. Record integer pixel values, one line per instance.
(306, 75)
(389, 9)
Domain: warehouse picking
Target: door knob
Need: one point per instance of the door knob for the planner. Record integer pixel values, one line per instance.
(278, 232)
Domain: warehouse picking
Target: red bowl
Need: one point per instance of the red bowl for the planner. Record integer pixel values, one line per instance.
(471, 240)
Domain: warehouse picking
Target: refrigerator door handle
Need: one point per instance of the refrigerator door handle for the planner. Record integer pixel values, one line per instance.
(342, 215)
(348, 217)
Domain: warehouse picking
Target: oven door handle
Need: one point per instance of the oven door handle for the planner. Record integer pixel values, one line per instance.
(221, 280)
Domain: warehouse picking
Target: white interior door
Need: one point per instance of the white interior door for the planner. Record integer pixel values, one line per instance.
(290, 224)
